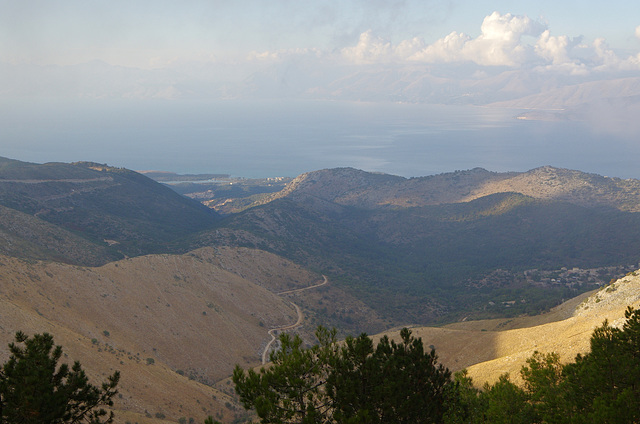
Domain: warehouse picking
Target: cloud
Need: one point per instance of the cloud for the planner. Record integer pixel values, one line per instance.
(608, 60)
(447, 49)
(553, 49)
(369, 49)
(502, 42)
(557, 52)
(283, 54)
(508, 29)
(499, 44)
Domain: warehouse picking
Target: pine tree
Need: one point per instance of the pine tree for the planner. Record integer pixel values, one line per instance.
(35, 390)
(352, 384)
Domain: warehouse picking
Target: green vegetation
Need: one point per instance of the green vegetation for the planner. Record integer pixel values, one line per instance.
(600, 386)
(113, 211)
(356, 383)
(35, 390)
(423, 264)
(352, 383)
(440, 263)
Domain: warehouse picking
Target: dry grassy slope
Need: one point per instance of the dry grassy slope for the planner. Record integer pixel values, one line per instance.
(189, 312)
(490, 348)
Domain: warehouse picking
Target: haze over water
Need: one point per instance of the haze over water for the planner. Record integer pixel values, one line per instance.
(286, 138)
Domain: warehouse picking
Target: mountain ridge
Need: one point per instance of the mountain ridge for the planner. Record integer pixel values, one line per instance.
(348, 186)
(121, 212)
(183, 310)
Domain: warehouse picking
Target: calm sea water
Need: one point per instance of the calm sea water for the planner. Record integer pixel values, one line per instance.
(286, 138)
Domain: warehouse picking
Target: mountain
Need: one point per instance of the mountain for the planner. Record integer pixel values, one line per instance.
(351, 187)
(198, 293)
(443, 247)
(607, 106)
(27, 236)
(576, 94)
(174, 325)
(303, 79)
(490, 348)
(117, 211)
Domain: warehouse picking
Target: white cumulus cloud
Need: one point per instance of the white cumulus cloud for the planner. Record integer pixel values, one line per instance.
(499, 44)
(515, 41)
(554, 49)
(369, 49)
(447, 49)
(500, 41)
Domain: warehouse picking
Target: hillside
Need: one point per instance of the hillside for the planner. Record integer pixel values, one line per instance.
(118, 211)
(27, 236)
(441, 248)
(452, 247)
(351, 187)
(168, 322)
(490, 348)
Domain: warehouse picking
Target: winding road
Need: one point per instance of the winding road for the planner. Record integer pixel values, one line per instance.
(265, 352)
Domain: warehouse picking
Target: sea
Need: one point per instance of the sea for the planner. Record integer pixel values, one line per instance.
(274, 138)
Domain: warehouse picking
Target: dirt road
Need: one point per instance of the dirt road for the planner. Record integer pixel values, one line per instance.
(272, 332)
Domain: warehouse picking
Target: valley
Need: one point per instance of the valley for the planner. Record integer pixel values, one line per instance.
(174, 285)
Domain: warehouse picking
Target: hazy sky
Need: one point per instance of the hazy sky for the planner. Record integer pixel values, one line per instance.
(140, 53)
(155, 33)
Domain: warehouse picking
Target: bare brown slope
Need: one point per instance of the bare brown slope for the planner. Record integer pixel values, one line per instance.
(487, 352)
(187, 314)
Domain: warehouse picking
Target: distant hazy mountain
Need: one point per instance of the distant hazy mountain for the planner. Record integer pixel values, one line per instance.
(423, 83)
(577, 94)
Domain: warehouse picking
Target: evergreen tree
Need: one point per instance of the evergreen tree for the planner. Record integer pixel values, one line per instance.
(291, 390)
(506, 403)
(465, 404)
(545, 386)
(354, 384)
(35, 390)
(395, 382)
(604, 384)
(601, 386)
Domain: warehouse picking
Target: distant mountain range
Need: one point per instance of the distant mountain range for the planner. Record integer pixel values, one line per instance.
(442, 84)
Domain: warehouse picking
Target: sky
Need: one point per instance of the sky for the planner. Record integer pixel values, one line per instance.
(452, 52)
(158, 33)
